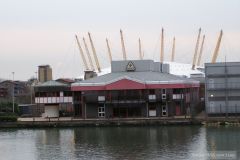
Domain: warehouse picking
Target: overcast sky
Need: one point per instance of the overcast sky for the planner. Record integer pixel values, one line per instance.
(36, 32)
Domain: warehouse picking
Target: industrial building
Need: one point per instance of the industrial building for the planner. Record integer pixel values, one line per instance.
(222, 93)
(44, 73)
(138, 88)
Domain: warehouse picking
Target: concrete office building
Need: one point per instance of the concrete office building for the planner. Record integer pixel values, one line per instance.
(44, 73)
(222, 92)
(138, 88)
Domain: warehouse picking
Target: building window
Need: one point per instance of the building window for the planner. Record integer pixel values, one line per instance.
(101, 110)
(211, 83)
(67, 94)
(163, 91)
(164, 110)
(151, 91)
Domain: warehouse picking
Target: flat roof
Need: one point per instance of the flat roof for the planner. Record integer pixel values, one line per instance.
(220, 64)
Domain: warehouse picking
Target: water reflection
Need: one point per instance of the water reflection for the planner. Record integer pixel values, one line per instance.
(134, 142)
(178, 142)
(223, 138)
(55, 143)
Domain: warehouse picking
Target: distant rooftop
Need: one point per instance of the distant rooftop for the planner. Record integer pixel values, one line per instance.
(65, 80)
(51, 86)
(44, 65)
(51, 83)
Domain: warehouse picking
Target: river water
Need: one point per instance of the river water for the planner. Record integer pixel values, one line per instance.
(168, 142)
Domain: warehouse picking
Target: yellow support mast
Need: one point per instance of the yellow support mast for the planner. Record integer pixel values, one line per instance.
(109, 51)
(82, 54)
(215, 54)
(140, 49)
(173, 50)
(123, 46)
(196, 50)
(88, 54)
(162, 47)
(201, 50)
(94, 53)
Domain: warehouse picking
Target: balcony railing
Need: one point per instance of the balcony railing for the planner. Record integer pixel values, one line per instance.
(52, 100)
(177, 96)
(152, 97)
(220, 109)
(220, 86)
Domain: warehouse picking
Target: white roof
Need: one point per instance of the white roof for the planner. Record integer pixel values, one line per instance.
(180, 69)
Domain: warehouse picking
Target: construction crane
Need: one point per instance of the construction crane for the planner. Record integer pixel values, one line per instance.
(94, 53)
(173, 50)
(109, 51)
(140, 49)
(215, 54)
(201, 50)
(82, 54)
(196, 50)
(123, 46)
(88, 54)
(162, 47)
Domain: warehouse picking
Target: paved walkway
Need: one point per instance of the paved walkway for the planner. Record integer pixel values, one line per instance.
(41, 119)
(30, 119)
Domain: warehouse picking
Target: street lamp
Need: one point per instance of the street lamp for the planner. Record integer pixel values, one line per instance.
(13, 93)
(36, 76)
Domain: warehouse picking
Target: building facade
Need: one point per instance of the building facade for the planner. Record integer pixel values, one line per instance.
(222, 92)
(56, 97)
(44, 73)
(19, 89)
(138, 88)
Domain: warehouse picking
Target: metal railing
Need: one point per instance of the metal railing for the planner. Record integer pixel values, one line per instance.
(233, 85)
(221, 109)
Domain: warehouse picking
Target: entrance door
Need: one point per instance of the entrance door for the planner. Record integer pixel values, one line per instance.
(152, 111)
(101, 110)
(178, 112)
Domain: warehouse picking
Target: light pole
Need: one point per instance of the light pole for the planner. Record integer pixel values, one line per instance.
(13, 92)
(31, 92)
(36, 76)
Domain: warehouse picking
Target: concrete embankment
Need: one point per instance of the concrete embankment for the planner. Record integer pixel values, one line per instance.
(97, 122)
(73, 122)
(221, 121)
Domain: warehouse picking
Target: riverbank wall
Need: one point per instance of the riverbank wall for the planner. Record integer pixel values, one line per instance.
(97, 122)
(71, 122)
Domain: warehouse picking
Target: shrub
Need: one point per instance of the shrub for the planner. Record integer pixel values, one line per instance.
(7, 107)
(8, 118)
